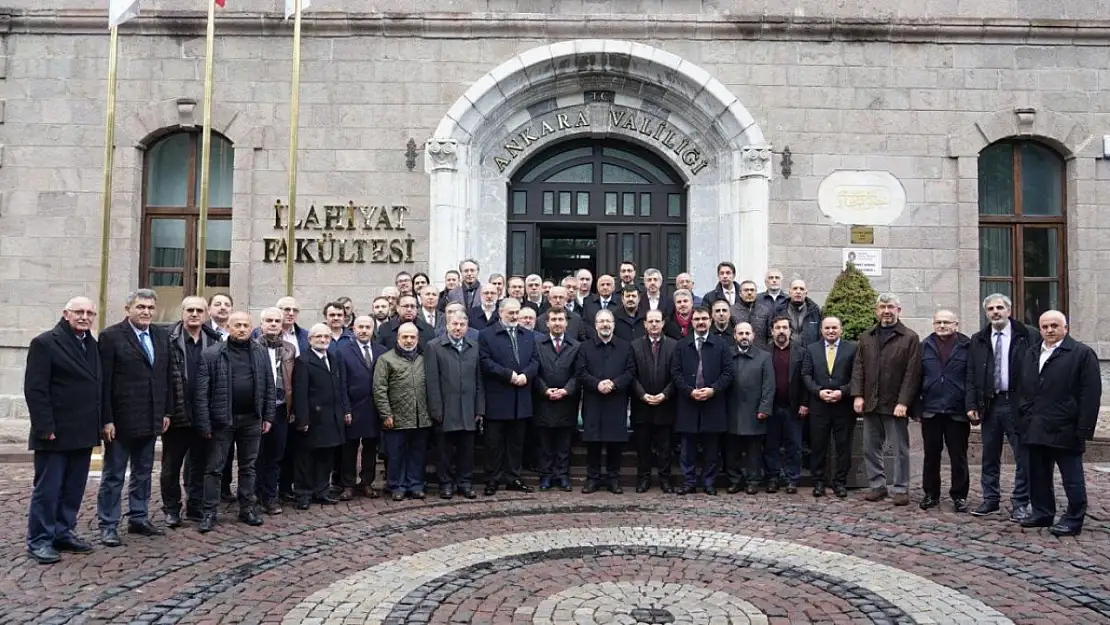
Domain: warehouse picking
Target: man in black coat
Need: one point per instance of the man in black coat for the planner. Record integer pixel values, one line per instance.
(605, 370)
(235, 405)
(557, 395)
(652, 403)
(574, 326)
(406, 313)
(628, 321)
(323, 412)
(605, 298)
(137, 402)
(782, 449)
(993, 393)
(944, 418)
(62, 386)
(484, 312)
(827, 375)
(1061, 391)
(679, 324)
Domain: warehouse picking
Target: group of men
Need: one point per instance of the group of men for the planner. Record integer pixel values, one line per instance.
(733, 379)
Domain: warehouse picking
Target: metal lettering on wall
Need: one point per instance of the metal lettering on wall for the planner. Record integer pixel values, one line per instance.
(335, 234)
(659, 131)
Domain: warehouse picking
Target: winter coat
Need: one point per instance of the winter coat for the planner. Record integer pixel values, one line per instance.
(605, 416)
(557, 371)
(810, 329)
(653, 376)
(320, 399)
(365, 421)
(1060, 402)
(212, 409)
(62, 385)
(137, 395)
(454, 385)
(889, 374)
(179, 369)
(401, 391)
(752, 391)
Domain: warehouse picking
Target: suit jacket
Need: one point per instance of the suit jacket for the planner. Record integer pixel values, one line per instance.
(459, 294)
(320, 399)
(605, 416)
(711, 415)
(666, 304)
(557, 371)
(440, 320)
(816, 377)
(887, 373)
(387, 333)
(478, 319)
(653, 376)
(454, 385)
(1060, 401)
(796, 387)
(137, 395)
(628, 328)
(365, 422)
(505, 402)
(593, 304)
(576, 327)
(62, 385)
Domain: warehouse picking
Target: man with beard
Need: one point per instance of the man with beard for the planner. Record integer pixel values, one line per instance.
(381, 310)
(471, 333)
(653, 297)
(403, 282)
(406, 313)
(323, 413)
(234, 405)
(782, 452)
(886, 379)
(401, 397)
(605, 369)
(456, 403)
(360, 357)
(678, 325)
(722, 327)
(653, 403)
(272, 448)
(219, 311)
(803, 313)
(749, 404)
(451, 280)
(557, 398)
(557, 299)
(750, 310)
(773, 297)
(702, 371)
(629, 323)
(484, 315)
(468, 290)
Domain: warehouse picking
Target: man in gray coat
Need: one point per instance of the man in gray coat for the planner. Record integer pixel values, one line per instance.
(750, 401)
(456, 403)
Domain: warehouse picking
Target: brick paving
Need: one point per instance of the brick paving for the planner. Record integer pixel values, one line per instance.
(569, 558)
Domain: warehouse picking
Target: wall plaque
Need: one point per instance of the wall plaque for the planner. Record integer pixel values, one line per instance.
(863, 235)
(867, 198)
(343, 233)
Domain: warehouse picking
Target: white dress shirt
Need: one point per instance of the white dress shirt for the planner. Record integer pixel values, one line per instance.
(1046, 353)
(291, 338)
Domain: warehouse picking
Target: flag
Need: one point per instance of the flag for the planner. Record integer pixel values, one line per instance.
(120, 11)
(291, 7)
(219, 3)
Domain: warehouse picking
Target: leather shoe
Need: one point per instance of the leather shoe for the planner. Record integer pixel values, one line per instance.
(416, 494)
(1064, 530)
(447, 492)
(876, 494)
(519, 487)
(734, 488)
(44, 554)
(326, 500)
(773, 486)
(545, 484)
(819, 489)
(491, 489)
(643, 486)
(301, 505)
(109, 537)
(960, 505)
(751, 489)
(840, 490)
(397, 495)
(173, 519)
(564, 485)
(369, 491)
(711, 491)
(666, 486)
(469, 493)
(346, 495)
(616, 489)
(144, 528)
(686, 490)
(1019, 514)
(590, 487)
(1029, 522)
(250, 517)
(207, 524)
(72, 544)
(928, 502)
(227, 497)
(272, 507)
(791, 488)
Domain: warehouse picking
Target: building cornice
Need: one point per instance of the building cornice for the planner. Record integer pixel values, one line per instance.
(557, 27)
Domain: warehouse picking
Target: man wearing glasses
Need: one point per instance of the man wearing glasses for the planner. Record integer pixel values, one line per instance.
(62, 386)
(944, 419)
(406, 313)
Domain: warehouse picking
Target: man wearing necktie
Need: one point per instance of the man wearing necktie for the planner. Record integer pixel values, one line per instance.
(456, 403)
(653, 403)
(138, 402)
(557, 395)
(996, 350)
(827, 375)
(323, 412)
(361, 446)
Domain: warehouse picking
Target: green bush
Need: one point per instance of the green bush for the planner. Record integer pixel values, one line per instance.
(852, 299)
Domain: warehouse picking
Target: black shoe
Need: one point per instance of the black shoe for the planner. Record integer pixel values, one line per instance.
(616, 489)
(734, 488)
(326, 500)
(840, 490)
(643, 486)
(1019, 514)
(227, 497)
(773, 486)
(290, 497)
(144, 528)
(929, 502)
(960, 505)
(301, 504)
(72, 544)
(819, 489)
(751, 489)
(251, 517)
(520, 487)
(1030, 522)
(791, 488)
(447, 493)
(397, 495)
(666, 486)
(1064, 530)
(491, 490)
(590, 487)
(109, 537)
(545, 484)
(44, 554)
(173, 519)
(986, 508)
(272, 507)
(564, 485)
(194, 516)
(207, 524)
(416, 494)
(711, 491)
(686, 490)
(468, 493)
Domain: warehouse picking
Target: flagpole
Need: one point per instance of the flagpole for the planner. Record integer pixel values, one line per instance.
(206, 148)
(294, 130)
(106, 189)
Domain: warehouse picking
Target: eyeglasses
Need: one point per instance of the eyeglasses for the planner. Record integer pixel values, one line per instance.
(288, 309)
(945, 323)
(82, 313)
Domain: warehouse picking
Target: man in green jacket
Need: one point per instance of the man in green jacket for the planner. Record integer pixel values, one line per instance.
(402, 401)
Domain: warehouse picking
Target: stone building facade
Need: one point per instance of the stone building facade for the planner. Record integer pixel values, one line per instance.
(419, 130)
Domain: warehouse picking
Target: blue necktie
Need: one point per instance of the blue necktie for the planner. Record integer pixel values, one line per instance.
(144, 340)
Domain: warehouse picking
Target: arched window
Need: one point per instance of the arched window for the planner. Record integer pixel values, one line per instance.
(1021, 226)
(171, 200)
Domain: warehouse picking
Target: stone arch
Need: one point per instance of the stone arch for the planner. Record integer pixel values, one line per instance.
(1068, 136)
(728, 194)
(141, 127)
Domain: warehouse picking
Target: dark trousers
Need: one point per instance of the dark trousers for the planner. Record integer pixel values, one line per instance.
(1042, 495)
(782, 454)
(555, 452)
(937, 432)
(504, 447)
(139, 453)
(311, 471)
(177, 445)
(271, 452)
(745, 459)
(455, 461)
(245, 433)
(653, 449)
(838, 429)
(406, 452)
(354, 450)
(228, 471)
(294, 440)
(612, 472)
(688, 458)
(60, 478)
(999, 423)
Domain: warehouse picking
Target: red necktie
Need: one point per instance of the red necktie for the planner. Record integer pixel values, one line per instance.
(655, 349)
(558, 346)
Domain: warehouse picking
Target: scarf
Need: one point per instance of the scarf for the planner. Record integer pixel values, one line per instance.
(409, 355)
(271, 342)
(683, 323)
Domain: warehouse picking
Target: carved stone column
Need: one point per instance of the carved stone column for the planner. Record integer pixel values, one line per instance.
(751, 184)
(445, 163)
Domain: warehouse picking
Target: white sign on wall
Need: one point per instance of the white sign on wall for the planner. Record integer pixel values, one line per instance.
(869, 261)
(865, 198)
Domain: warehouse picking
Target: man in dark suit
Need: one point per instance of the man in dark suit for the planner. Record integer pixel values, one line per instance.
(137, 404)
(1061, 391)
(653, 297)
(484, 314)
(557, 299)
(456, 403)
(62, 386)
(782, 449)
(406, 313)
(605, 369)
(509, 365)
(322, 413)
(557, 395)
(468, 290)
(605, 298)
(429, 313)
(359, 357)
(628, 321)
(653, 403)
(274, 446)
(701, 370)
(679, 324)
(827, 375)
(726, 289)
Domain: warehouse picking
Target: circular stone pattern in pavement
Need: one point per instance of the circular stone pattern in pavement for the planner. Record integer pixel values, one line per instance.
(386, 593)
(647, 603)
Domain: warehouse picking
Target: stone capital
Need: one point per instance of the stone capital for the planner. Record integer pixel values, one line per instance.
(441, 154)
(755, 162)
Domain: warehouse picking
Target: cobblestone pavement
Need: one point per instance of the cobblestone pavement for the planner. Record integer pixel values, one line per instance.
(568, 559)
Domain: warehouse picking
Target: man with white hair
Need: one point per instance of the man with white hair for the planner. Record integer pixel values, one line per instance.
(273, 447)
(322, 412)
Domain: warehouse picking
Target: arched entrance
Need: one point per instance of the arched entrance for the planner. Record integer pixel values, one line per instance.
(592, 203)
